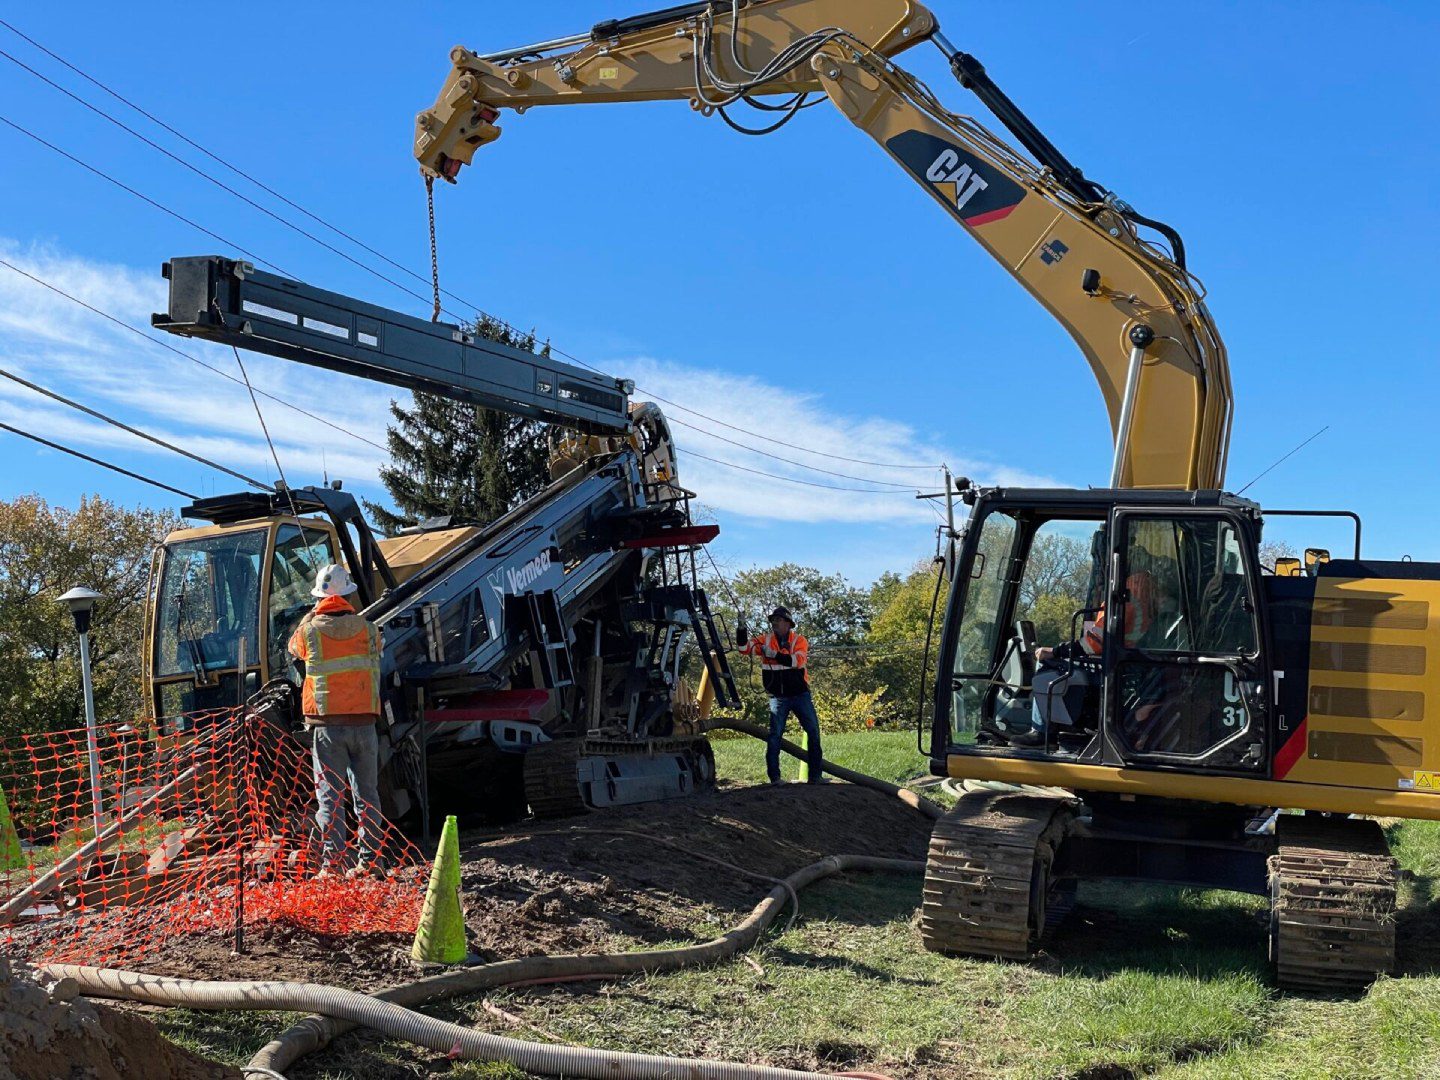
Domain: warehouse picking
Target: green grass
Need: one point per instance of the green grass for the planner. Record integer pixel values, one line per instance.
(889, 755)
(1140, 981)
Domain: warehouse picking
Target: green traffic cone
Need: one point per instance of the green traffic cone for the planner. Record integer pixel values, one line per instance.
(12, 856)
(440, 937)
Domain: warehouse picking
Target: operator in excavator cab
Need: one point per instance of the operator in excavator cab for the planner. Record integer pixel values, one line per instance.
(784, 672)
(340, 651)
(1064, 693)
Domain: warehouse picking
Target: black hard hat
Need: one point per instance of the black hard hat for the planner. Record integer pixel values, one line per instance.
(783, 612)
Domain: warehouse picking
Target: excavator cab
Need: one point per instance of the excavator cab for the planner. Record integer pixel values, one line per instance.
(1119, 628)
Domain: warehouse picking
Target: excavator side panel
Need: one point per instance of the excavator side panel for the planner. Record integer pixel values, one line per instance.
(1360, 694)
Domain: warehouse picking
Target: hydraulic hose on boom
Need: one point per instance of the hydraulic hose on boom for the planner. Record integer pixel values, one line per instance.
(1137, 314)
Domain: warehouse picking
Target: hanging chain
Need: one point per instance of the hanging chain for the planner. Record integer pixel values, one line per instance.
(434, 252)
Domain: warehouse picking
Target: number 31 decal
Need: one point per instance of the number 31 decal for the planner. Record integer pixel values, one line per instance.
(1232, 715)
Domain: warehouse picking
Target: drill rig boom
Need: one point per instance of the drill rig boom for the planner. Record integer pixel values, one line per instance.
(235, 304)
(531, 660)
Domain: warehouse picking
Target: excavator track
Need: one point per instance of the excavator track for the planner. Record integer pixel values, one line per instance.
(1332, 889)
(987, 879)
(553, 784)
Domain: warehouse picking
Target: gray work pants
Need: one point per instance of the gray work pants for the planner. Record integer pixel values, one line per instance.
(347, 753)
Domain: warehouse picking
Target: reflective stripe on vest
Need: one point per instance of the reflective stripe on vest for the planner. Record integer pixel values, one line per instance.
(342, 675)
(799, 653)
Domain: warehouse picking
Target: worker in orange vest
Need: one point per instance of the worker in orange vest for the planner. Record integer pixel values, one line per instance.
(1140, 614)
(340, 651)
(783, 655)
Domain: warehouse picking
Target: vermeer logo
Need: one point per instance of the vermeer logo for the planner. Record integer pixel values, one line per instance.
(522, 578)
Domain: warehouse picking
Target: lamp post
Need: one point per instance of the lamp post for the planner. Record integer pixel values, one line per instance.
(81, 602)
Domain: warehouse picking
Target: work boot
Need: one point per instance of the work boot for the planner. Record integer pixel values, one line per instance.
(777, 781)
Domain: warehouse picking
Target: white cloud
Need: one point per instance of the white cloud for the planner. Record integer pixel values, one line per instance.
(798, 424)
(55, 343)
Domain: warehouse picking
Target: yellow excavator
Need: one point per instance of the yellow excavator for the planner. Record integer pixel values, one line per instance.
(1210, 721)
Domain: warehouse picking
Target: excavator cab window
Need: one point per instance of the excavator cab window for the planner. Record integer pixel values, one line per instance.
(1128, 635)
(1032, 580)
(1183, 644)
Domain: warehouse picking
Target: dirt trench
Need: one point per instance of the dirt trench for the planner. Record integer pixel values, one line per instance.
(45, 1032)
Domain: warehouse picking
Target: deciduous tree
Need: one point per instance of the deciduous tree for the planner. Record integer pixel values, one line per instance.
(44, 551)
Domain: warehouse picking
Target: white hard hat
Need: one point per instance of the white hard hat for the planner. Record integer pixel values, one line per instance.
(333, 580)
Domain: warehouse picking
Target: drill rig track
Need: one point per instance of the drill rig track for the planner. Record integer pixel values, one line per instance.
(987, 879)
(554, 786)
(1332, 886)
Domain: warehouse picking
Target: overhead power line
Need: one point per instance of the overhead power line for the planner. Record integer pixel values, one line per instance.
(790, 479)
(758, 435)
(96, 461)
(132, 430)
(347, 236)
(160, 342)
(204, 175)
(143, 198)
(788, 461)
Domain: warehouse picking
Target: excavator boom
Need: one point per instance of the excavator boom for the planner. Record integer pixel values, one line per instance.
(1138, 316)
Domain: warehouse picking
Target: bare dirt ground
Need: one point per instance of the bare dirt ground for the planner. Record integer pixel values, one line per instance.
(598, 883)
(44, 1032)
(583, 884)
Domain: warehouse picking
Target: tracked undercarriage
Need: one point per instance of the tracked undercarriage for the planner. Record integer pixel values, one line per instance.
(571, 776)
(1002, 871)
(989, 882)
(1332, 897)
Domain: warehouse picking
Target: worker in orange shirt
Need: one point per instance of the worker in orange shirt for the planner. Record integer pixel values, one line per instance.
(783, 654)
(1140, 614)
(340, 651)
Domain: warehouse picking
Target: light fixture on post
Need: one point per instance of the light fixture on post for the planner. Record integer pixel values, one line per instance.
(81, 602)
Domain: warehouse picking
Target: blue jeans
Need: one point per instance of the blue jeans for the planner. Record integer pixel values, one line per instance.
(341, 753)
(803, 706)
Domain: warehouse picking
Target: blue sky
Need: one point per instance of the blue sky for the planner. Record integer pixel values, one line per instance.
(797, 285)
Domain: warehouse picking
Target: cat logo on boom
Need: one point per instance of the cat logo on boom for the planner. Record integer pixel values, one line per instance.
(973, 189)
(949, 169)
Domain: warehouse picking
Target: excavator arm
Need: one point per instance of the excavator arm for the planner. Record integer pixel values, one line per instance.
(1138, 316)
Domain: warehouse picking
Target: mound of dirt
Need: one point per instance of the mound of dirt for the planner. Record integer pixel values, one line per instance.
(47, 1032)
(641, 873)
(655, 873)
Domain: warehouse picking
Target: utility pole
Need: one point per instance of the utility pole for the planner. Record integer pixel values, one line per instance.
(81, 602)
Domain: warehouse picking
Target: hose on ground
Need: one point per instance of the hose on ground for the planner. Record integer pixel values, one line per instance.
(909, 798)
(387, 1012)
(961, 788)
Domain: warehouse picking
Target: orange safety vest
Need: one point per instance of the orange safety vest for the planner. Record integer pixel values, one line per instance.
(776, 677)
(341, 651)
(1140, 613)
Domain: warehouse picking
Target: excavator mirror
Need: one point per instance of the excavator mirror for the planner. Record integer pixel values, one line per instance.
(1314, 559)
(1289, 567)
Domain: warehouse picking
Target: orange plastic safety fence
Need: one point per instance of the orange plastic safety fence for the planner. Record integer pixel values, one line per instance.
(197, 833)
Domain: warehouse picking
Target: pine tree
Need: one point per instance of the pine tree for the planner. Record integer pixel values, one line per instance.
(450, 458)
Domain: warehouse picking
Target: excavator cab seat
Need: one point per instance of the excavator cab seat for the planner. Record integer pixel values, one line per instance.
(1016, 672)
